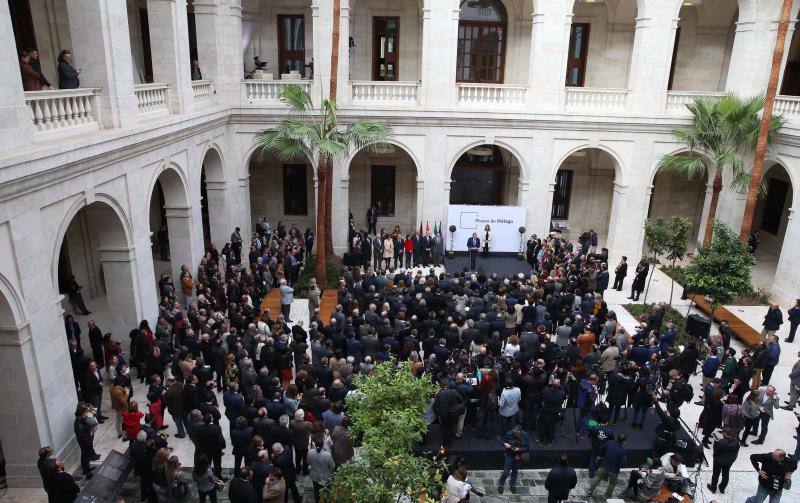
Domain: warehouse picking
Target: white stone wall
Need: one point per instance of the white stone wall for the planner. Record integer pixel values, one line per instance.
(267, 199)
(592, 192)
(674, 195)
(360, 193)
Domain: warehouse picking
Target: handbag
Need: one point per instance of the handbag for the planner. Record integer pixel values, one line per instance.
(219, 484)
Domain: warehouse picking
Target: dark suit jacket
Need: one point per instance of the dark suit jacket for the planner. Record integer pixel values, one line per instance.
(210, 440)
(63, 488)
(240, 491)
(91, 386)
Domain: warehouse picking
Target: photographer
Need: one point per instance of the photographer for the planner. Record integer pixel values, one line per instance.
(587, 403)
(774, 474)
(553, 397)
(645, 483)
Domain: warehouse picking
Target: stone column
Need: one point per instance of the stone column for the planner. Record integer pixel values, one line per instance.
(656, 24)
(16, 128)
(343, 81)
(340, 204)
(169, 42)
(626, 228)
(753, 46)
(321, 27)
(218, 223)
(179, 220)
(101, 47)
(118, 266)
(552, 21)
(421, 203)
(784, 285)
(209, 24)
(439, 47)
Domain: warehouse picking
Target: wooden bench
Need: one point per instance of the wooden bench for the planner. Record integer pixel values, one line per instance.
(272, 302)
(740, 329)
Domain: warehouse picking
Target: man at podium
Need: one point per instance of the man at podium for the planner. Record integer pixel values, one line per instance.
(473, 245)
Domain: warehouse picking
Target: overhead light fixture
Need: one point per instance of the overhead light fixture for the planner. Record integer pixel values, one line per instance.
(386, 148)
(481, 151)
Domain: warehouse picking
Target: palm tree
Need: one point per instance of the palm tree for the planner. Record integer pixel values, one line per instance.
(316, 135)
(766, 122)
(724, 129)
(327, 239)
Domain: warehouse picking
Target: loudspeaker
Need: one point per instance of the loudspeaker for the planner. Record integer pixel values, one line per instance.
(698, 327)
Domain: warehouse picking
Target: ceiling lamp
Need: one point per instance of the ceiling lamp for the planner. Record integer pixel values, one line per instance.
(481, 151)
(385, 148)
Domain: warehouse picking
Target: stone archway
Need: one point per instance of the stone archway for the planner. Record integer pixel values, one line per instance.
(772, 220)
(170, 224)
(96, 250)
(214, 208)
(584, 192)
(486, 174)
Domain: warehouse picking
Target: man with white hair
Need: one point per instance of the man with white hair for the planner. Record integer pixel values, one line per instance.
(282, 458)
(302, 438)
(287, 297)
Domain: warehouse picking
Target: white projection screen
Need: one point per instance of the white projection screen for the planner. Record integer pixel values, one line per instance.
(505, 222)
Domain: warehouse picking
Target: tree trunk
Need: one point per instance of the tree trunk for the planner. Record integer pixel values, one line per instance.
(650, 278)
(328, 209)
(716, 188)
(321, 272)
(328, 236)
(766, 119)
(672, 284)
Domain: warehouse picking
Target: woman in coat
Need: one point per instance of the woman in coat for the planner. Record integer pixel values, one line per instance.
(30, 77)
(67, 74)
(751, 411)
(388, 249)
(689, 360)
(487, 240)
(711, 417)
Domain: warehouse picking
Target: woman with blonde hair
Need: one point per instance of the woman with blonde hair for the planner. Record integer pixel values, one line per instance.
(160, 484)
(177, 481)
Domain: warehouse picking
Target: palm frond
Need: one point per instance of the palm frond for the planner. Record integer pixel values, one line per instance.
(690, 166)
(367, 133)
(297, 98)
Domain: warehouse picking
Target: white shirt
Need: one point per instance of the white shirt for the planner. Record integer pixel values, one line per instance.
(455, 491)
(680, 470)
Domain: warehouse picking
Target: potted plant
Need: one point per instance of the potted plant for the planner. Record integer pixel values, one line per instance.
(452, 230)
(521, 252)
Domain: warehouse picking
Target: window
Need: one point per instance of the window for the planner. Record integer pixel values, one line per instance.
(291, 44)
(578, 47)
(295, 189)
(385, 48)
(382, 190)
(674, 58)
(561, 195)
(773, 205)
(481, 42)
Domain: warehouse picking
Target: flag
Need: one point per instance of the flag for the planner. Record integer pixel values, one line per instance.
(427, 227)
(420, 227)
(434, 229)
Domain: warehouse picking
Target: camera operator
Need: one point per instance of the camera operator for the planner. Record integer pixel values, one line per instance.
(533, 384)
(587, 403)
(677, 390)
(666, 429)
(553, 397)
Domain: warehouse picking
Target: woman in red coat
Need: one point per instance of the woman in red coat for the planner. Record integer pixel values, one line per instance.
(132, 420)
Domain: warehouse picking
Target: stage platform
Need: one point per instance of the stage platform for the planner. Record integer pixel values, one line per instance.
(501, 264)
(488, 453)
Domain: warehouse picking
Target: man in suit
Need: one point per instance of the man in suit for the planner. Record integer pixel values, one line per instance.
(767, 402)
(794, 320)
(92, 389)
(473, 245)
(427, 247)
(602, 279)
(96, 341)
(62, 484)
(438, 248)
(240, 490)
(372, 220)
(794, 384)
(282, 458)
(620, 272)
(377, 252)
(772, 321)
(211, 443)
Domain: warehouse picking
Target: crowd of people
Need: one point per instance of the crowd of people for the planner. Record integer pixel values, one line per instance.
(515, 358)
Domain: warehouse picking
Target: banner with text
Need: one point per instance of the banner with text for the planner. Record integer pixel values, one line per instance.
(504, 221)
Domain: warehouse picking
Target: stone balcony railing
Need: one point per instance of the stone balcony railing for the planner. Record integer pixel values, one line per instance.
(789, 106)
(587, 99)
(254, 90)
(677, 100)
(63, 112)
(153, 99)
(491, 94)
(379, 92)
(202, 90)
